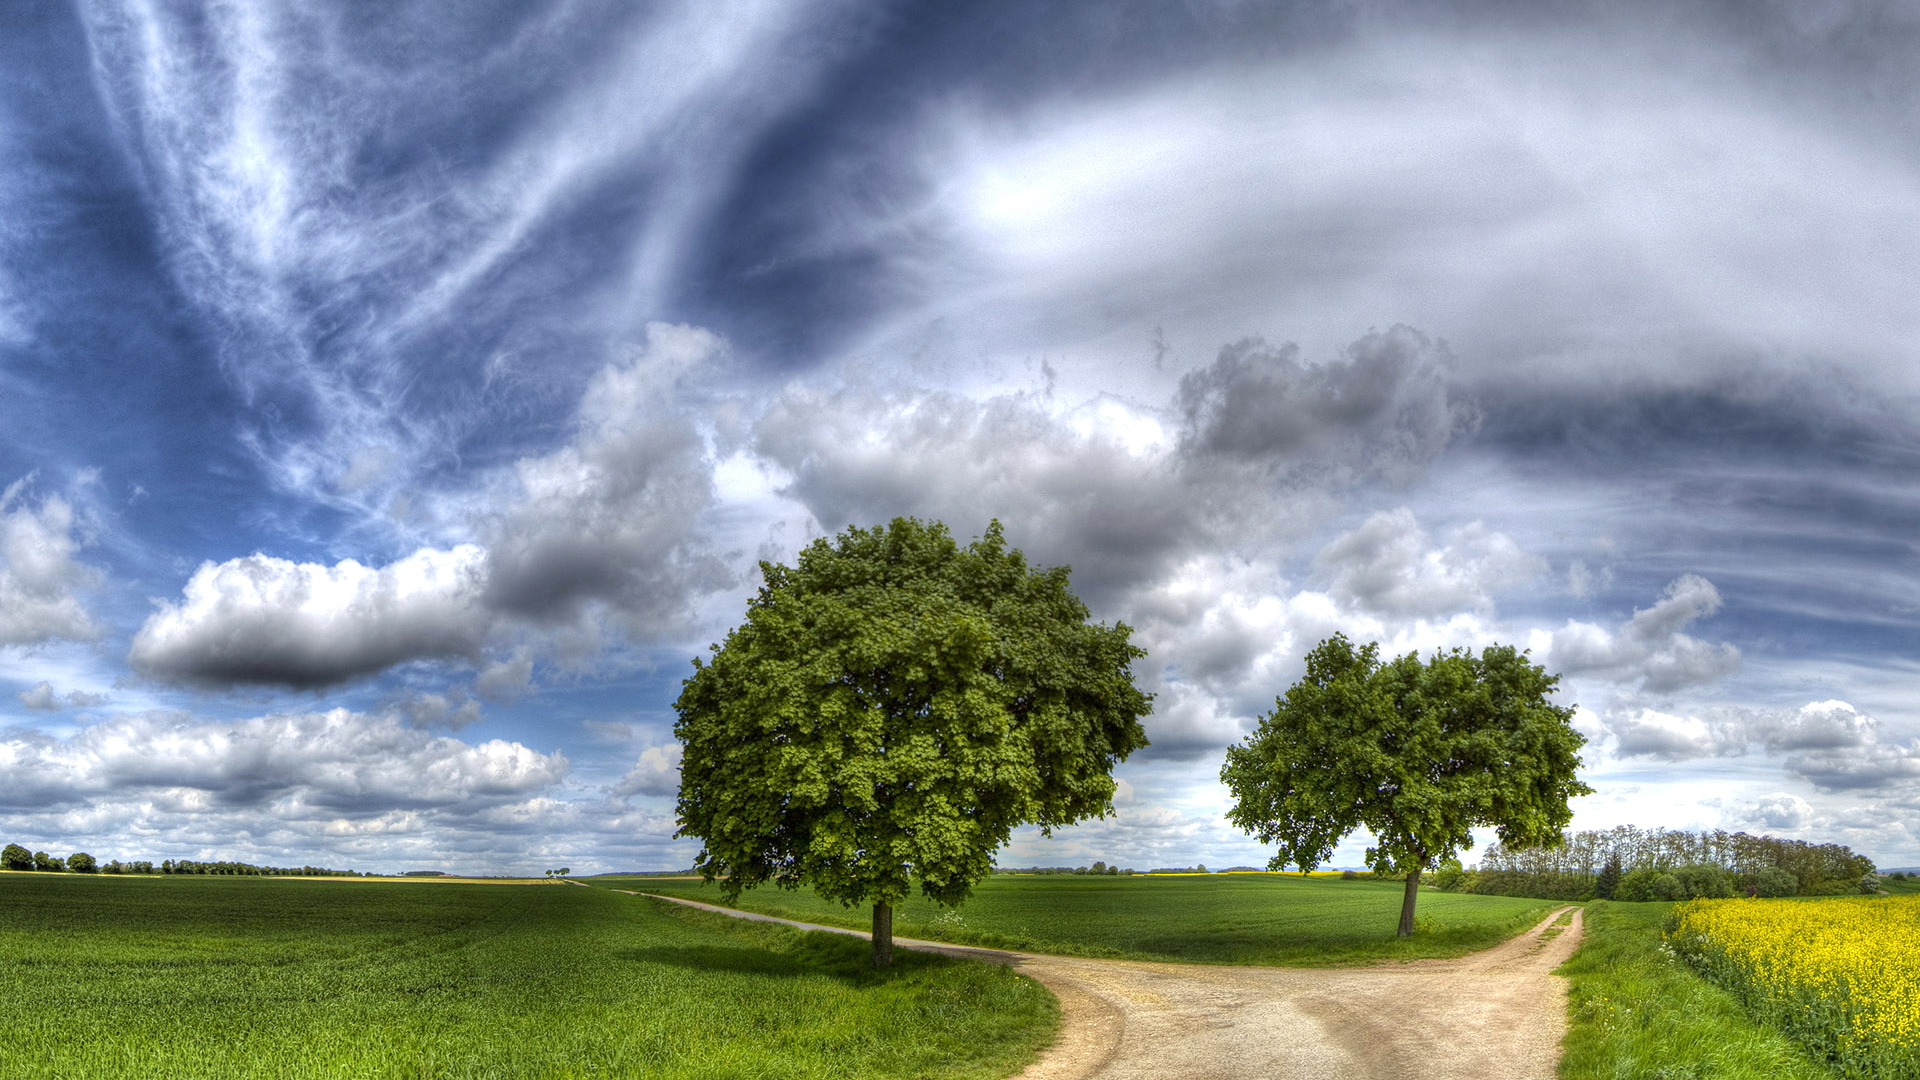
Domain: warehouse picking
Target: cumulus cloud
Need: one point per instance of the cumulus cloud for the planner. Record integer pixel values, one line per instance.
(261, 619)
(1390, 566)
(612, 517)
(1777, 812)
(329, 763)
(1246, 453)
(656, 773)
(42, 696)
(40, 578)
(1650, 648)
(1651, 733)
(1383, 409)
(1838, 748)
(609, 520)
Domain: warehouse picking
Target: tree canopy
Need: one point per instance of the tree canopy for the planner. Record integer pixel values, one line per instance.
(1418, 753)
(893, 706)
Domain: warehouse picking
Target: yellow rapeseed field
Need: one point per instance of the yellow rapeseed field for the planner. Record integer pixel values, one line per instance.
(1841, 975)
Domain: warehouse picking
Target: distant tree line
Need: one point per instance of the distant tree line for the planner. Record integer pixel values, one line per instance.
(15, 857)
(1630, 863)
(1098, 867)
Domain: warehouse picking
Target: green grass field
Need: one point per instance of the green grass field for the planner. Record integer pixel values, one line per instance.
(208, 978)
(1215, 918)
(1635, 1011)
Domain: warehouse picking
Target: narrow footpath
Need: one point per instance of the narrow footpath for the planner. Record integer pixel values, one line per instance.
(1498, 1014)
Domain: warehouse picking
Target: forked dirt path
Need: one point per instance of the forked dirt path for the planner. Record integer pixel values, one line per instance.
(1494, 1015)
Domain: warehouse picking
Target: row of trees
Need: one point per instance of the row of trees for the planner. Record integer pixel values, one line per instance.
(1630, 863)
(15, 857)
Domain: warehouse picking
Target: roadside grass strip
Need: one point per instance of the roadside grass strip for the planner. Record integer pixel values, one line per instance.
(1277, 919)
(223, 978)
(1636, 1012)
(1838, 975)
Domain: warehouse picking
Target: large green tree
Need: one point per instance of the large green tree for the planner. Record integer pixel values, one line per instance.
(15, 857)
(1416, 752)
(892, 708)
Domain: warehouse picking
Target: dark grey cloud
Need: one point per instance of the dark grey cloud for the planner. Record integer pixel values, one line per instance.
(1383, 409)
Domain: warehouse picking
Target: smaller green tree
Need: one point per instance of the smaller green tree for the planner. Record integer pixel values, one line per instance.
(81, 863)
(15, 857)
(45, 862)
(1772, 882)
(1609, 879)
(1419, 753)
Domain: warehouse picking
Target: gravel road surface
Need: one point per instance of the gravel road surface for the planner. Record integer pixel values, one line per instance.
(1493, 1015)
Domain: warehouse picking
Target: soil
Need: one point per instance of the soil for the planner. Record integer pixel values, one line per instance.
(1494, 1015)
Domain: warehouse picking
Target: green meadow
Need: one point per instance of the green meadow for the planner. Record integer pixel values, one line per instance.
(1282, 919)
(211, 978)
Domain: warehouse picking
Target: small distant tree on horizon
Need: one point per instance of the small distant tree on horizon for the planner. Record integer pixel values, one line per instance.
(15, 857)
(893, 706)
(1419, 753)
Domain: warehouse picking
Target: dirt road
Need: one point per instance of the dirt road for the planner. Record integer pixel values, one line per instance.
(1494, 1015)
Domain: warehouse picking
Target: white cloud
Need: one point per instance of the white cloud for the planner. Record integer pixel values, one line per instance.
(39, 575)
(261, 619)
(1779, 812)
(1650, 648)
(306, 765)
(656, 773)
(1651, 733)
(39, 696)
(1390, 566)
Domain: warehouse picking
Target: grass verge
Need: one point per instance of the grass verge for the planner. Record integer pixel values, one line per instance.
(219, 978)
(1637, 1013)
(1226, 918)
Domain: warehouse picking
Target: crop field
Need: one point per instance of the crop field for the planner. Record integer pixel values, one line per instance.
(1215, 918)
(1836, 974)
(211, 978)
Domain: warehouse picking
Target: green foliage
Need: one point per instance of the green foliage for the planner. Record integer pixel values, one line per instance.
(1634, 1011)
(1773, 882)
(1217, 918)
(1701, 882)
(1608, 880)
(1418, 753)
(1557, 871)
(15, 857)
(81, 863)
(892, 708)
(45, 862)
(230, 978)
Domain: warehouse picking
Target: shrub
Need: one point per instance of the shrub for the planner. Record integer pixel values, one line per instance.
(1774, 882)
(1702, 882)
(1666, 886)
(1637, 885)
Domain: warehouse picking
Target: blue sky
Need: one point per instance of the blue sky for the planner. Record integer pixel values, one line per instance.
(396, 401)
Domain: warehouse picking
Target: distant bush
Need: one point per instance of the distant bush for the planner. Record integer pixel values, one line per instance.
(1774, 882)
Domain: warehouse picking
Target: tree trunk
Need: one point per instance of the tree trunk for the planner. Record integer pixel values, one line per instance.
(1406, 906)
(883, 937)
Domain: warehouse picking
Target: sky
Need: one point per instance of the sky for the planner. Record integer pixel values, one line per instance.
(394, 400)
